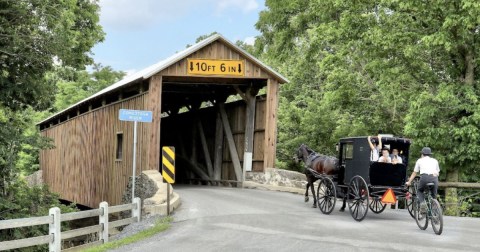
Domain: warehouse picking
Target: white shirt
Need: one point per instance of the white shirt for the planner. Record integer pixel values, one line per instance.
(374, 154)
(399, 159)
(427, 165)
(385, 159)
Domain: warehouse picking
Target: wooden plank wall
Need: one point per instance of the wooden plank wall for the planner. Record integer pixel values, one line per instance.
(82, 167)
(155, 105)
(271, 123)
(236, 117)
(216, 50)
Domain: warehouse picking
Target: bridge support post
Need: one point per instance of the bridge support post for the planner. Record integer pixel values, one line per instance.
(231, 143)
(54, 229)
(137, 209)
(249, 96)
(103, 220)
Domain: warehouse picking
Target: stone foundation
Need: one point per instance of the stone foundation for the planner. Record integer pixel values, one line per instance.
(277, 180)
(153, 192)
(35, 179)
(278, 177)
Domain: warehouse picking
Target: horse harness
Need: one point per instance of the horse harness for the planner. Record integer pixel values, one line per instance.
(311, 157)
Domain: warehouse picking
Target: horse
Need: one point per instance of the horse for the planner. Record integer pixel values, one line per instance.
(322, 164)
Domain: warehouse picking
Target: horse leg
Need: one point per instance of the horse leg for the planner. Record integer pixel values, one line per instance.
(306, 191)
(344, 202)
(313, 193)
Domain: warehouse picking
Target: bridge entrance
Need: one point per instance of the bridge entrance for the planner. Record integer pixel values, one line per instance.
(207, 124)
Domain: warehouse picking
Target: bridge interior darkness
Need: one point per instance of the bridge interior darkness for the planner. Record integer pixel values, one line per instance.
(191, 122)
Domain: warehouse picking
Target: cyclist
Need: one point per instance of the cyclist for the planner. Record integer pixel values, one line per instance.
(429, 170)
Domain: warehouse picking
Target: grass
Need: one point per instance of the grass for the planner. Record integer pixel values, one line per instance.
(160, 226)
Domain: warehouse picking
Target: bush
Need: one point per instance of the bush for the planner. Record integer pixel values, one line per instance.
(21, 201)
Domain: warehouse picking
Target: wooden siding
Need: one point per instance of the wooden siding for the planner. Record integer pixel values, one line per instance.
(216, 50)
(82, 167)
(236, 118)
(271, 124)
(155, 105)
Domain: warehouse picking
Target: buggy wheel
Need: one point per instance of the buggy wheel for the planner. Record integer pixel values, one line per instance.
(420, 218)
(326, 195)
(377, 206)
(437, 217)
(357, 196)
(412, 191)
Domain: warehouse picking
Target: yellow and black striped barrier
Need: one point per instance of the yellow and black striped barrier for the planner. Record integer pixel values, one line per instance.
(168, 164)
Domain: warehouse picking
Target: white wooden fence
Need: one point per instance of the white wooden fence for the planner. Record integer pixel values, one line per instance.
(55, 218)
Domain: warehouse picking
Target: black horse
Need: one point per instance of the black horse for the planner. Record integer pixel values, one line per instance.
(326, 165)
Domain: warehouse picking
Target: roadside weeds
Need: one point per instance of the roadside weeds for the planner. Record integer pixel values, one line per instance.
(160, 226)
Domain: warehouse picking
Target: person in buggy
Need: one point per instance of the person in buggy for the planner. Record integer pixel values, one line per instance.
(375, 147)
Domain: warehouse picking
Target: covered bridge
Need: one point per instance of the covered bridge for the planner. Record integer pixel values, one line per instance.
(188, 93)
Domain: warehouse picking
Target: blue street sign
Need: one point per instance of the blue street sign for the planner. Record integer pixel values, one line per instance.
(135, 115)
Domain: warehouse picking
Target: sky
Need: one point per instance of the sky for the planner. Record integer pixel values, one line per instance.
(140, 33)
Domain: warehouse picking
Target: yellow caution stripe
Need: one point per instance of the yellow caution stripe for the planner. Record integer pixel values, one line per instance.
(168, 164)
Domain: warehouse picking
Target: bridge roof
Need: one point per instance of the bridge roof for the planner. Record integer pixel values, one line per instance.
(158, 67)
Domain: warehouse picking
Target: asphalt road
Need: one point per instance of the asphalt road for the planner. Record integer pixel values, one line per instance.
(231, 219)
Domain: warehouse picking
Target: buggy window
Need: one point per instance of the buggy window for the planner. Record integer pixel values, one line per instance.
(347, 151)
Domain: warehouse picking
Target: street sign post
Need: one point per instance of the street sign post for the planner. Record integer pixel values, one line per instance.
(168, 170)
(134, 116)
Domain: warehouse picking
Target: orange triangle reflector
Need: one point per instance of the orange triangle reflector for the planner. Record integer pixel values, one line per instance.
(389, 197)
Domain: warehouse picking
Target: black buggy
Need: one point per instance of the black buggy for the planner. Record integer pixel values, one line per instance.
(363, 184)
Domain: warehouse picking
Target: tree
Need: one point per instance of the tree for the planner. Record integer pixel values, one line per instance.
(75, 85)
(34, 36)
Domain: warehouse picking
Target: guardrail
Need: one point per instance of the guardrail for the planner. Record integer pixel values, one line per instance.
(55, 218)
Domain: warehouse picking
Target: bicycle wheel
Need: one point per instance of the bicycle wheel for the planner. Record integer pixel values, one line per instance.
(412, 194)
(420, 218)
(437, 217)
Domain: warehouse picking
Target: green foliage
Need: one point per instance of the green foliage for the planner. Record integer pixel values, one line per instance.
(23, 201)
(35, 35)
(405, 67)
(13, 141)
(75, 85)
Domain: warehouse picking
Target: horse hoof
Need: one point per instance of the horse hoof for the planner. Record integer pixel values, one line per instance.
(342, 209)
(314, 206)
(306, 199)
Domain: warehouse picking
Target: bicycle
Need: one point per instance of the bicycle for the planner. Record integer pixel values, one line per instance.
(433, 212)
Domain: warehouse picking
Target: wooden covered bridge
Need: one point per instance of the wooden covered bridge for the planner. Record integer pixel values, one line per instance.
(188, 93)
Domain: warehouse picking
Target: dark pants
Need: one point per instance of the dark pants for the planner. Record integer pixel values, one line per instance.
(424, 179)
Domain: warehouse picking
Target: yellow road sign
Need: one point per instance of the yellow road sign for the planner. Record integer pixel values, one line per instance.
(216, 67)
(168, 164)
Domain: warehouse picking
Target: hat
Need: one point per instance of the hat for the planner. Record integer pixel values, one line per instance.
(426, 151)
